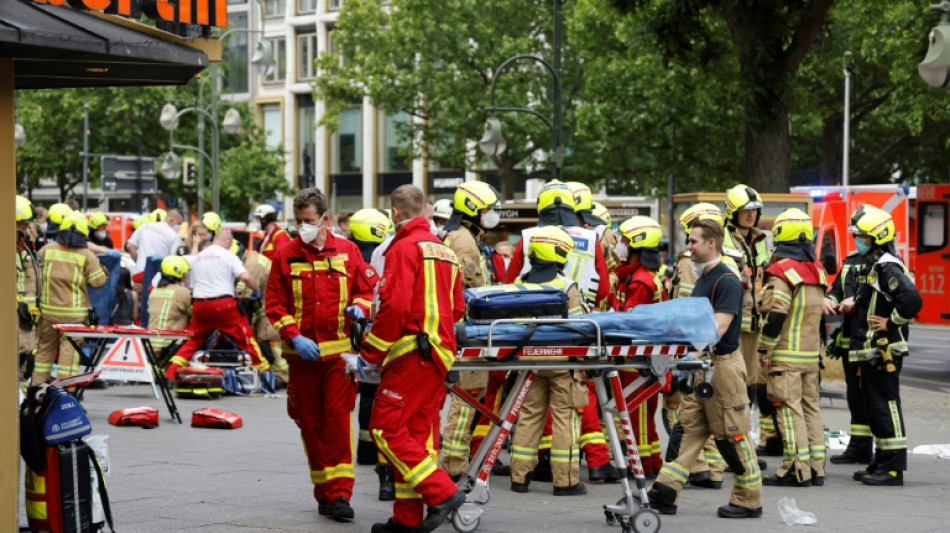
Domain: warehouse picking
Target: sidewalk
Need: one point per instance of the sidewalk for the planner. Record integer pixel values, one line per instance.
(255, 479)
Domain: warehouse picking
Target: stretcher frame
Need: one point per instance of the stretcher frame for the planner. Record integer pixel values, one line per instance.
(73, 332)
(602, 362)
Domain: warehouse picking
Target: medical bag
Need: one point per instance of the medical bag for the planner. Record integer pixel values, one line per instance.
(199, 382)
(215, 418)
(147, 417)
(485, 304)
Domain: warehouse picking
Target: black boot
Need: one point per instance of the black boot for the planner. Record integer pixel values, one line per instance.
(387, 484)
(391, 526)
(542, 472)
(662, 499)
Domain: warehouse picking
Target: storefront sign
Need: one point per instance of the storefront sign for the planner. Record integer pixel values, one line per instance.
(200, 12)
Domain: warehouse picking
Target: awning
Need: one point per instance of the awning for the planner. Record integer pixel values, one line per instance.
(56, 46)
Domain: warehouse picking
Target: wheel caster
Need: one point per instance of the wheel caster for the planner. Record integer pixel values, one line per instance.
(611, 517)
(467, 518)
(646, 521)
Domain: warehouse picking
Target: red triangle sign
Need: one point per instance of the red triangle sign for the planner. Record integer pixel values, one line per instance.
(126, 352)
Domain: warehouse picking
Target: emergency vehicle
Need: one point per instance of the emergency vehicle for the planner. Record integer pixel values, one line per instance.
(518, 215)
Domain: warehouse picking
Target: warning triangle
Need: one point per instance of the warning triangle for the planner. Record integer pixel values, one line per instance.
(126, 352)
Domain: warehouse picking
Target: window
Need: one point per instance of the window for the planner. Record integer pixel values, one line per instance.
(306, 6)
(932, 226)
(829, 252)
(236, 59)
(306, 54)
(274, 8)
(393, 145)
(305, 139)
(273, 125)
(334, 5)
(277, 72)
(346, 150)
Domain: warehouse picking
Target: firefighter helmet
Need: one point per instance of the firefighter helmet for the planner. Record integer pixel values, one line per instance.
(702, 211)
(159, 215)
(57, 212)
(870, 221)
(641, 232)
(141, 219)
(600, 211)
(442, 209)
(473, 197)
(740, 198)
(267, 213)
(175, 266)
(370, 225)
(237, 248)
(24, 209)
(583, 200)
(555, 193)
(551, 244)
(212, 221)
(791, 226)
(75, 221)
(98, 219)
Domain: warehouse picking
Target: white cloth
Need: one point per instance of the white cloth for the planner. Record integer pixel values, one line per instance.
(378, 262)
(214, 272)
(154, 238)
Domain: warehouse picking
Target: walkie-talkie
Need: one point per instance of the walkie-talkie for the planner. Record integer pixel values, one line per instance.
(422, 340)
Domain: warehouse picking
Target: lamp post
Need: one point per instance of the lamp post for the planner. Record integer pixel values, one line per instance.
(493, 142)
(847, 64)
(935, 68)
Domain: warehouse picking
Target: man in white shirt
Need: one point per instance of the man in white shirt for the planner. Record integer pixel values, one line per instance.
(155, 238)
(215, 271)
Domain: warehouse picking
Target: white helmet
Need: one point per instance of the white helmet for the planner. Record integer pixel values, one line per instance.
(267, 213)
(442, 209)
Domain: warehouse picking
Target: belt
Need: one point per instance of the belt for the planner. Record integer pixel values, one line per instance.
(211, 299)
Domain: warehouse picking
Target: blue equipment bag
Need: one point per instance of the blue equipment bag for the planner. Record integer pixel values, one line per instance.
(64, 419)
(516, 300)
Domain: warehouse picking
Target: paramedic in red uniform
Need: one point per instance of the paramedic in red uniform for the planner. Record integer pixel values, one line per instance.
(313, 280)
(420, 300)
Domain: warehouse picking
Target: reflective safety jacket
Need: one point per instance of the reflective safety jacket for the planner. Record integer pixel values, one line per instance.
(792, 303)
(886, 290)
(273, 239)
(755, 258)
(27, 273)
(842, 289)
(258, 267)
(169, 307)
(475, 266)
(637, 285)
(419, 293)
(68, 272)
(586, 264)
(308, 290)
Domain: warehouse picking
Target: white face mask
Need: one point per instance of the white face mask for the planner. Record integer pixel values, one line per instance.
(308, 232)
(490, 219)
(100, 234)
(698, 268)
(433, 228)
(42, 227)
(622, 251)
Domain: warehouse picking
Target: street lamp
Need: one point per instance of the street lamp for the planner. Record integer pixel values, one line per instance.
(19, 134)
(493, 139)
(171, 165)
(935, 68)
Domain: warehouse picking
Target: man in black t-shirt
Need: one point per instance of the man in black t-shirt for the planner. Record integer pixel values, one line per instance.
(725, 416)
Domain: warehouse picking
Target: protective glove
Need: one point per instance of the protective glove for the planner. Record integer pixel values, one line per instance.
(354, 312)
(256, 295)
(308, 350)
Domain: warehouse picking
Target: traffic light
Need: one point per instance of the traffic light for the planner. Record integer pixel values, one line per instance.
(189, 171)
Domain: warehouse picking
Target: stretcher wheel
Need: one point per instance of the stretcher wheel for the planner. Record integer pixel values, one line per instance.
(646, 521)
(704, 391)
(464, 523)
(611, 517)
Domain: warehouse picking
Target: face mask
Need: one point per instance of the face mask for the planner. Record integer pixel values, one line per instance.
(100, 234)
(490, 219)
(42, 227)
(176, 228)
(698, 268)
(863, 246)
(308, 232)
(433, 228)
(622, 251)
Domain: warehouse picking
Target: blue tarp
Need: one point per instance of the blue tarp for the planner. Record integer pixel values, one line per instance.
(102, 299)
(678, 320)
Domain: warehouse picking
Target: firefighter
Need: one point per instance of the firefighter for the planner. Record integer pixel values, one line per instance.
(368, 228)
(169, 303)
(792, 304)
(27, 285)
(69, 270)
(725, 415)
(640, 284)
(98, 223)
(214, 273)
(274, 235)
(743, 211)
(413, 337)
(885, 301)
(473, 211)
(861, 444)
(441, 213)
(313, 279)
(212, 221)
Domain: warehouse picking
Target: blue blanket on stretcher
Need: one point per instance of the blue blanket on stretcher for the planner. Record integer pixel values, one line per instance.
(679, 320)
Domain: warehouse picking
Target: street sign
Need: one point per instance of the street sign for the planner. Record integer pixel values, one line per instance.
(128, 184)
(127, 164)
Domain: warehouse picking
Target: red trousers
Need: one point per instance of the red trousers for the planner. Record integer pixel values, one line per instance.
(320, 399)
(643, 419)
(221, 315)
(493, 399)
(592, 440)
(405, 427)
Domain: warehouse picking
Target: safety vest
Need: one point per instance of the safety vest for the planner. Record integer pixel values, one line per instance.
(799, 339)
(581, 266)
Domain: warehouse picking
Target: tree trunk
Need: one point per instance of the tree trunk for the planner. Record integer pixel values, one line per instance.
(768, 154)
(507, 177)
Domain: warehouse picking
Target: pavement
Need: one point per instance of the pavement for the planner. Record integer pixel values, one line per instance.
(256, 479)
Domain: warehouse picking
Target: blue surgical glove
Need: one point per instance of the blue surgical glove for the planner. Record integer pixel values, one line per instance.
(307, 349)
(360, 365)
(354, 312)
(256, 295)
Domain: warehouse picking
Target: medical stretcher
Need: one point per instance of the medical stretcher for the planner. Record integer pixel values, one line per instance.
(601, 359)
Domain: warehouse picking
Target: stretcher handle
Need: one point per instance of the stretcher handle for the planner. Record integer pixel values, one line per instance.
(690, 366)
(599, 345)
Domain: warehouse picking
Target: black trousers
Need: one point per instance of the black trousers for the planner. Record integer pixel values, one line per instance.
(882, 402)
(861, 443)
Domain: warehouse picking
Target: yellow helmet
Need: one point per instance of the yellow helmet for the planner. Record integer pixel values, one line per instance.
(740, 198)
(141, 219)
(583, 200)
(641, 232)
(555, 193)
(24, 209)
(701, 211)
(75, 221)
(551, 244)
(57, 212)
(212, 221)
(870, 221)
(600, 211)
(370, 225)
(792, 225)
(175, 266)
(473, 197)
(159, 215)
(98, 219)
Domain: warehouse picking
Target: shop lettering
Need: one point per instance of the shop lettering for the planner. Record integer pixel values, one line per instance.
(200, 12)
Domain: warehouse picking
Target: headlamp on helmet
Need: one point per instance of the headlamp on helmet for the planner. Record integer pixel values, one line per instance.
(793, 225)
(551, 244)
(740, 198)
(641, 232)
(474, 197)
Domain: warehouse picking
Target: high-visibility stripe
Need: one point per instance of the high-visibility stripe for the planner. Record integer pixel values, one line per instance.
(891, 444)
(675, 471)
(363, 301)
(753, 477)
(766, 422)
(527, 453)
(545, 443)
(342, 470)
(861, 430)
(817, 451)
(344, 298)
(376, 342)
(897, 318)
(365, 436)
(405, 492)
(895, 418)
(797, 317)
(791, 447)
(454, 446)
(596, 437)
(284, 321)
(297, 287)
(782, 297)
(783, 356)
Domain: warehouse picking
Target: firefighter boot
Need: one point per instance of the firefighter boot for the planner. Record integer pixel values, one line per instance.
(881, 478)
(437, 514)
(387, 484)
(662, 499)
(542, 471)
(391, 526)
(735, 511)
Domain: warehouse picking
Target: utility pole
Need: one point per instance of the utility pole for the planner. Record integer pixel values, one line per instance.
(85, 158)
(847, 118)
(138, 176)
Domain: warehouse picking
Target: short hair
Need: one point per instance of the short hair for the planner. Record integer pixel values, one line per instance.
(408, 199)
(710, 229)
(175, 214)
(342, 217)
(311, 196)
